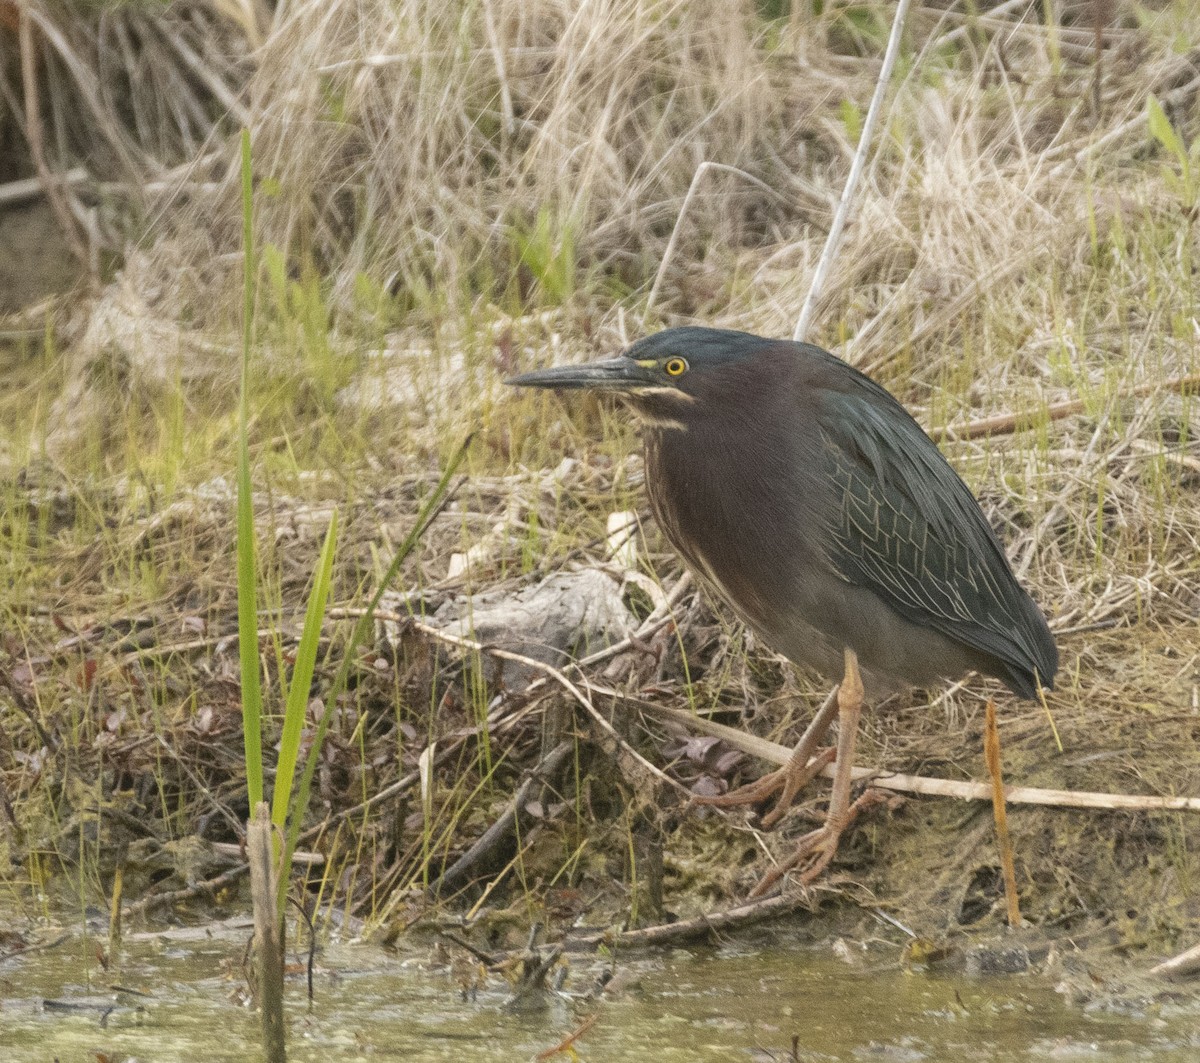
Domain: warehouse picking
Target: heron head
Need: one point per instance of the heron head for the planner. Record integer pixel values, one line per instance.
(669, 378)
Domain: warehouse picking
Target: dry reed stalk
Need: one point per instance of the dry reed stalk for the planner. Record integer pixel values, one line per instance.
(991, 756)
(268, 942)
(834, 240)
(708, 925)
(28, 188)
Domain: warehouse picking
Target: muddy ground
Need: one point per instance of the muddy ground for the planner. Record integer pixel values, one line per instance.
(122, 750)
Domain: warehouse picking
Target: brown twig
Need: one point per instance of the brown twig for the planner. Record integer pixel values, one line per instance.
(206, 888)
(1006, 423)
(567, 1044)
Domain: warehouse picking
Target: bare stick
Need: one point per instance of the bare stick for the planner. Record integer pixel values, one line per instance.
(482, 855)
(268, 940)
(991, 756)
(774, 753)
(1179, 966)
(209, 887)
(33, 187)
(702, 926)
(834, 240)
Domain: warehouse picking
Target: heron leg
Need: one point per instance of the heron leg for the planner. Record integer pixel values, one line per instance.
(804, 764)
(819, 846)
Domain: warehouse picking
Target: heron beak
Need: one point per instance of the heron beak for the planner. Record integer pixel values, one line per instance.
(612, 374)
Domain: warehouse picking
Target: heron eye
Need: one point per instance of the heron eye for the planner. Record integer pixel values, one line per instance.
(675, 367)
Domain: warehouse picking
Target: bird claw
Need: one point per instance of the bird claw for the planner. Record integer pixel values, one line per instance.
(816, 849)
(787, 782)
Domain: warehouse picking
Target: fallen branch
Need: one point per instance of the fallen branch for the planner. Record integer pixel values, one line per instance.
(33, 187)
(487, 847)
(208, 887)
(701, 925)
(774, 753)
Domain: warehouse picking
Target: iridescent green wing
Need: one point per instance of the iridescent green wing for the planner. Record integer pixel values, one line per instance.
(905, 526)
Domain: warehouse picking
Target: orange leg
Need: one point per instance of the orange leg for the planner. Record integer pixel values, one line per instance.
(802, 767)
(819, 846)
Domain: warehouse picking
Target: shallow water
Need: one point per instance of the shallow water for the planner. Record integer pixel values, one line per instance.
(682, 1005)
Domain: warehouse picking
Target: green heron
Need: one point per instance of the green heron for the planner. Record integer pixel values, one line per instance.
(807, 497)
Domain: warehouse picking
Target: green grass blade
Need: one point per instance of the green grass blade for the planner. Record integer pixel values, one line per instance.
(1162, 130)
(246, 576)
(302, 672)
(361, 631)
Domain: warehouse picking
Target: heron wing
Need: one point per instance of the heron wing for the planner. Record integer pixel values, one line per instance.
(905, 526)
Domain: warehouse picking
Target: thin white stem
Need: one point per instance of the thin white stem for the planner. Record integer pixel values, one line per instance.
(834, 240)
(697, 177)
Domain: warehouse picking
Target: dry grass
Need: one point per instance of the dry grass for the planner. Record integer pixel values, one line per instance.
(445, 194)
(117, 96)
(502, 152)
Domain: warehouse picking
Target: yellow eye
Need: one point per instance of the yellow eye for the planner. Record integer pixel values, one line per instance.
(675, 367)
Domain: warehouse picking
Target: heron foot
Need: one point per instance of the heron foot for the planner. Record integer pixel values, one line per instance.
(816, 849)
(786, 781)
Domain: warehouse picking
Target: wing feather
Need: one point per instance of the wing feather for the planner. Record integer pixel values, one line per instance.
(905, 526)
